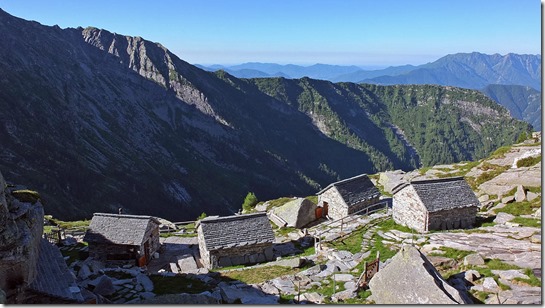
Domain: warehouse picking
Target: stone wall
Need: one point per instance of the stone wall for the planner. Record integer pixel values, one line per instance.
(408, 210)
(104, 252)
(337, 208)
(362, 205)
(249, 254)
(453, 219)
(204, 253)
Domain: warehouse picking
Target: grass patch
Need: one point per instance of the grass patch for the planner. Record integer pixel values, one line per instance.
(487, 176)
(118, 275)
(500, 152)
(528, 161)
(178, 284)
(278, 202)
(534, 189)
(260, 274)
(533, 281)
(453, 253)
(527, 222)
(521, 208)
(313, 199)
(361, 298)
(352, 242)
(26, 195)
(78, 224)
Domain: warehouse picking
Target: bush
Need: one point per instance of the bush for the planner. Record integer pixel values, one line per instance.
(249, 202)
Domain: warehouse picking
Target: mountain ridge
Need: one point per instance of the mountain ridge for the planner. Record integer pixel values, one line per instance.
(118, 121)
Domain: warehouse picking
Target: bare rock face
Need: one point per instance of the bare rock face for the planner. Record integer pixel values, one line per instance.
(297, 213)
(411, 279)
(21, 228)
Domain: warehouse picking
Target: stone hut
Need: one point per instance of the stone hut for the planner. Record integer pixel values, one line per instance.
(233, 240)
(296, 213)
(121, 238)
(348, 196)
(438, 204)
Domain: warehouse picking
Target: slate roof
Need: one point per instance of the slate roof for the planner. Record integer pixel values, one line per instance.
(236, 231)
(118, 229)
(355, 189)
(445, 194)
(53, 278)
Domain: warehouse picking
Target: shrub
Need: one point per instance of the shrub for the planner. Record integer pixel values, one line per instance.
(249, 202)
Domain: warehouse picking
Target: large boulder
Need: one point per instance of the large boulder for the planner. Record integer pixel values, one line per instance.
(410, 278)
(391, 179)
(21, 228)
(297, 213)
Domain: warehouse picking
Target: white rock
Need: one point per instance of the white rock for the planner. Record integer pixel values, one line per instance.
(490, 285)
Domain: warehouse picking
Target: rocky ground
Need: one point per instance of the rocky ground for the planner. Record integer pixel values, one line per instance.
(498, 261)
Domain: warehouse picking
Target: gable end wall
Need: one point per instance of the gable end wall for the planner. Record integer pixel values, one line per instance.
(408, 210)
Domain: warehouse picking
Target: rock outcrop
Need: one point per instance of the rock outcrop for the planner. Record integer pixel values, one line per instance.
(21, 228)
(411, 279)
(296, 213)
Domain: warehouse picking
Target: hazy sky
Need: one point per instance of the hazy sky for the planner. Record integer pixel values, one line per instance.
(360, 32)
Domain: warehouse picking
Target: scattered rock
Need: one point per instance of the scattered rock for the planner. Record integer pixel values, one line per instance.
(474, 259)
(502, 218)
(426, 284)
(343, 277)
(145, 281)
(531, 195)
(507, 199)
(484, 198)
(490, 285)
(510, 274)
(343, 295)
(536, 238)
(104, 286)
(471, 275)
(312, 297)
(520, 195)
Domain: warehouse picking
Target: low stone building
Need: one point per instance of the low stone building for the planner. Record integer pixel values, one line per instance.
(114, 237)
(296, 213)
(348, 196)
(233, 240)
(438, 204)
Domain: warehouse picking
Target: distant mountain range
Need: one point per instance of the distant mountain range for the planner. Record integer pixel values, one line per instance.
(95, 121)
(466, 70)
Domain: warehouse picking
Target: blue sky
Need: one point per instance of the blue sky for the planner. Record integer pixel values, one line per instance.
(360, 32)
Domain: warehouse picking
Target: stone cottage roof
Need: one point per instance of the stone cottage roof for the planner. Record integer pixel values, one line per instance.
(355, 189)
(53, 278)
(444, 194)
(236, 231)
(119, 229)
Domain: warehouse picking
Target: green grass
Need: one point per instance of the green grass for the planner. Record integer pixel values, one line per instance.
(534, 189)
(500, 152)
(313, 199)
(361, 298)
(352, 242)
(26, 195)
(178, 284)
(487, 176)
(528, 161)
(453, 253)
(260, 274)
(527, 222)
(521, 208)
(278, 202)
(78, 224)
(533, 281)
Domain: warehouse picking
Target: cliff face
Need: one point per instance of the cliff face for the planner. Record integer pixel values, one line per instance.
(21, 228)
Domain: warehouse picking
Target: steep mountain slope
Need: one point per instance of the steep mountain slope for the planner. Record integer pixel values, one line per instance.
(95, 121)
(524, 103)
(473, 70)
